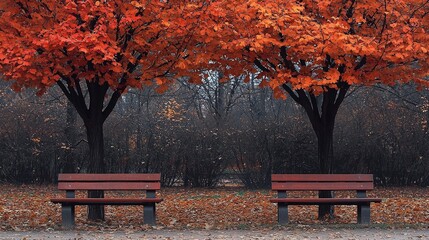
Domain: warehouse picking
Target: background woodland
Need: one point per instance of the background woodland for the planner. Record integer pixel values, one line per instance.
(200, 135)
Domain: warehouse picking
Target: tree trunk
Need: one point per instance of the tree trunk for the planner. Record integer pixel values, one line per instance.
(96, 165)
(325, 148)
(321, 112)
(93, 117)
(325, 156)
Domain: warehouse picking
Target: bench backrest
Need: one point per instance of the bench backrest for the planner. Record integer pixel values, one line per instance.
(317, 182)
(135, 181)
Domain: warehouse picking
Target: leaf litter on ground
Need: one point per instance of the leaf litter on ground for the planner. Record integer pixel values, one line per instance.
(28, 207)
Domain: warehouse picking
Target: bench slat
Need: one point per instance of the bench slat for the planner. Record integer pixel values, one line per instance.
(322, 177)
(316, 201)
(317, 182)
(109, 201)
(314, 186)
(120, 177)
(109, 185)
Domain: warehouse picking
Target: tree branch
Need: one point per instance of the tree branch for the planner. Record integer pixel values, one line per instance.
(361, 63)
(80, 96)
(73, 98)
(288, 63)
(65, 91)
(92, 23)
(291, 93)
(305, 102)
(112, 103)
(315, 105)
(260, 66)
(341, 95)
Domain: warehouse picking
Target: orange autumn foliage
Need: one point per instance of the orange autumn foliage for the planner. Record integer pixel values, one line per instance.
(118, 42)
(310, 45)
(317, 45)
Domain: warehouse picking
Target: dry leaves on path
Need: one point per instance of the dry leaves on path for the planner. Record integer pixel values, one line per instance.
(28, 207)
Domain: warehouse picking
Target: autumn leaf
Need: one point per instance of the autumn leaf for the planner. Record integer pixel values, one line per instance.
(162, 88)
(28, 208)
(195, 80)
(59, 38)
(313, 38)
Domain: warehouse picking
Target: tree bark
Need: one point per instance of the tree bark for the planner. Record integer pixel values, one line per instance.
(325, 156)
(94, 131)
(96, 165)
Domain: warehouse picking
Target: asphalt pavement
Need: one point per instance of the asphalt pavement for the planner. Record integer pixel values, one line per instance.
(302, 233)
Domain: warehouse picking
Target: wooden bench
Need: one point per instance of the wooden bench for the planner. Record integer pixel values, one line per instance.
(108, 182)
(318, 182)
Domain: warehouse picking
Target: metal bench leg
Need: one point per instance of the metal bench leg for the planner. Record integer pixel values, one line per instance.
(283, 215)
(149, 216)
(363, 214)
(67, 213)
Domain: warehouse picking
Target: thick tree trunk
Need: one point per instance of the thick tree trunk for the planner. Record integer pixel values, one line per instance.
(325, 156)
(94, 129)
(321, 112)
(93, 116)
(96, 165)
(325, 149)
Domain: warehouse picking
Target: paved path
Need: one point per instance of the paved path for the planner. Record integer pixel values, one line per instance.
(319, 233)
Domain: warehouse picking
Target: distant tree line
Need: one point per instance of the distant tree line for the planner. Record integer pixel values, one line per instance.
(197, 135)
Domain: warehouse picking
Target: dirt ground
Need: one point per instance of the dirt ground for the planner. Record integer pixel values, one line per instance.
(296, 233)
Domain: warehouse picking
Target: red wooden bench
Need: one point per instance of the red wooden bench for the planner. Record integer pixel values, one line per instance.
(317, 182)
(108, 182)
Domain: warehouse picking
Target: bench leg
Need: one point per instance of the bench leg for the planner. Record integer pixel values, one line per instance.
(283, 215)
(149, 216)
(363, 214)
(67, 213)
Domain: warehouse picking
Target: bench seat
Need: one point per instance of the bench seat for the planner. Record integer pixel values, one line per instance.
(107, 201)
(326, 201)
